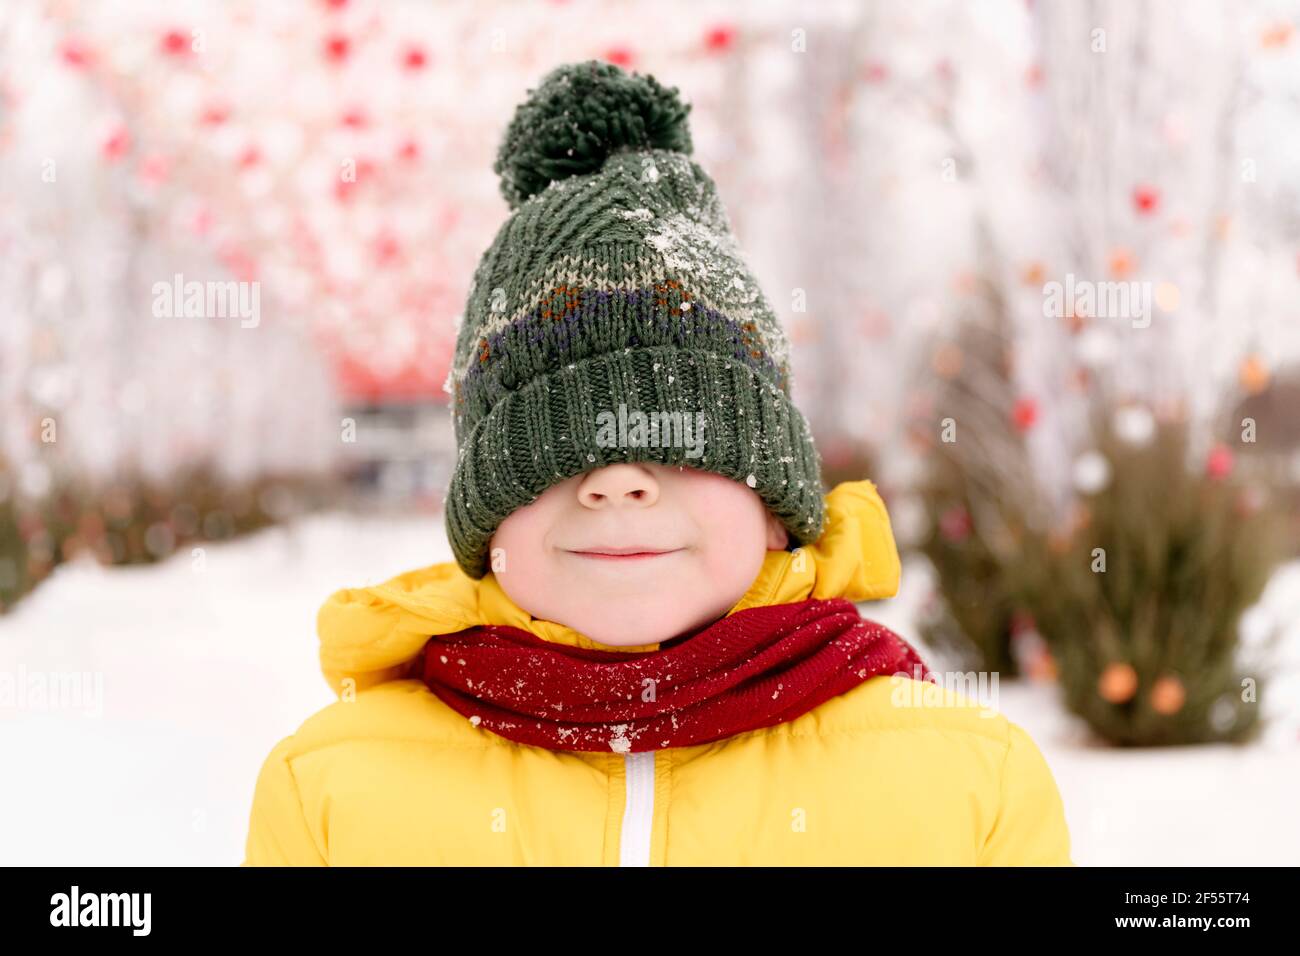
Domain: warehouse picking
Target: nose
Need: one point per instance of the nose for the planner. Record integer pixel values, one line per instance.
(617, 485)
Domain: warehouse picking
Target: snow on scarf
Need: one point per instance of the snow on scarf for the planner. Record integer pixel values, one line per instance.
(752, 669)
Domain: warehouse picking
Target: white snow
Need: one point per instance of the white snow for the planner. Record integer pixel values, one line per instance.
(205, 667)
(203, 671)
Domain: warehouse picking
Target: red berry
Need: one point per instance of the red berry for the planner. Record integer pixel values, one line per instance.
(214, 114)
(955, 523)
(415, 58)
(1146, 199)
(175, 43)
(116, 144)
(619, 56)
(719, 38)
(76, 53)
(337, 47)
(1024, 413)
(1219, 462)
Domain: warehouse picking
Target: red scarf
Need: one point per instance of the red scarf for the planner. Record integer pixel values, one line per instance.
(755, 668)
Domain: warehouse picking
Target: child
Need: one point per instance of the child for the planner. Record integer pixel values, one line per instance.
(646, 651)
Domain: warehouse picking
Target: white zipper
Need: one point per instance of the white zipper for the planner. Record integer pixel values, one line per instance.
(638, 810)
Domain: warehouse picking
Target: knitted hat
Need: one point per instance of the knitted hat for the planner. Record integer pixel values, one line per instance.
(612, 319)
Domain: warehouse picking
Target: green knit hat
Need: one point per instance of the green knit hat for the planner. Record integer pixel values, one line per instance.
(612, 319)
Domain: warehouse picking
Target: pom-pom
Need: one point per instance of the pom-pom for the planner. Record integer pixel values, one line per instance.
(577, 117)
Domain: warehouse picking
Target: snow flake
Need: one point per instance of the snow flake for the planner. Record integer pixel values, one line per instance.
(690, 246)
(620, 743)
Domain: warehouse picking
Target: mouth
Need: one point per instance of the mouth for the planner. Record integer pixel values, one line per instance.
(627, 554)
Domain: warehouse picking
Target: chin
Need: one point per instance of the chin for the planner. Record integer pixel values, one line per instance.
(627, 629)
(627, 635)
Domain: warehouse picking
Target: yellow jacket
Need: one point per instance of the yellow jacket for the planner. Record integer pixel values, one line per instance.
(389, 775)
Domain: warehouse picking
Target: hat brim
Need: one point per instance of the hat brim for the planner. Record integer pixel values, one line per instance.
(709, 411)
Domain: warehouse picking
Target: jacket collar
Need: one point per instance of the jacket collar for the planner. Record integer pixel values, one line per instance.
(371, 634)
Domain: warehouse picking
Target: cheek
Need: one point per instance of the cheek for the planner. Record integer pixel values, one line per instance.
(733, 524)
(719, 504)
(518, 552)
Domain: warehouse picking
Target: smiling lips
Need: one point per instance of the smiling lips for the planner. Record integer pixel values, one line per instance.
(634, 553)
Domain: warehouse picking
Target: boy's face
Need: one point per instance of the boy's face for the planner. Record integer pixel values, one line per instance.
(635, 553)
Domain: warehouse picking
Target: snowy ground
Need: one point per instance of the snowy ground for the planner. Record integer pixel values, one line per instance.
(205, 664)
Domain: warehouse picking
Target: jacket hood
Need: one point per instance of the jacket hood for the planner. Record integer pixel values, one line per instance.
(369, 635)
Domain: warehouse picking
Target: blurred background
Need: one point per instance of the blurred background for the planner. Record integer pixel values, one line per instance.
(1040, 266)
